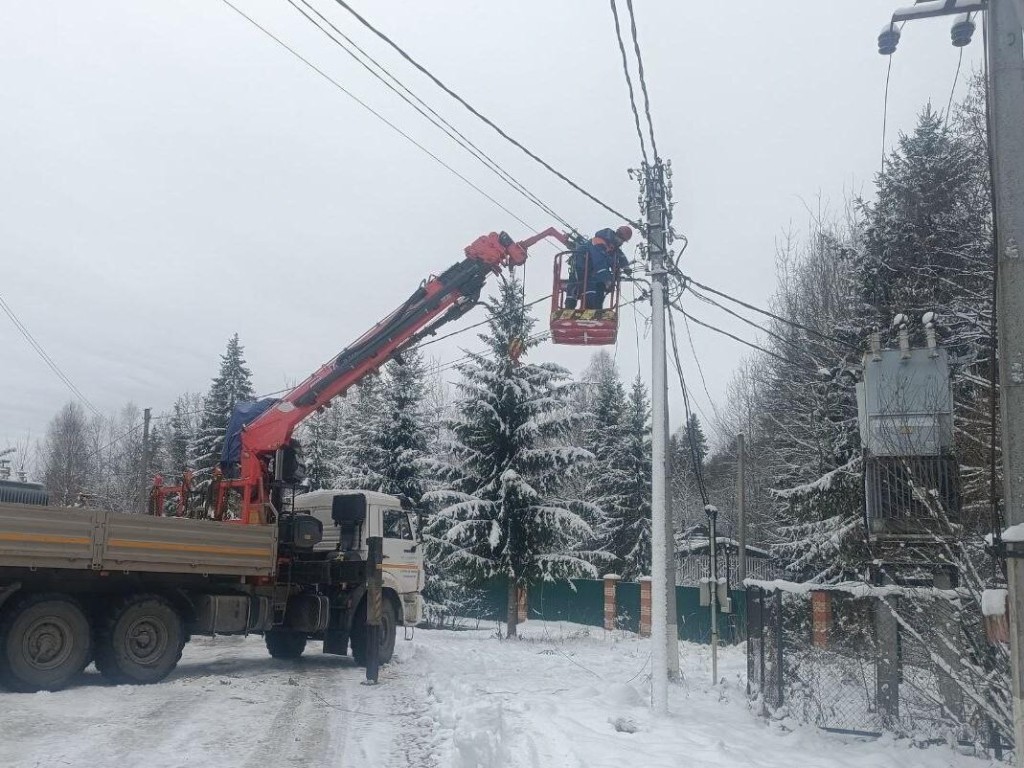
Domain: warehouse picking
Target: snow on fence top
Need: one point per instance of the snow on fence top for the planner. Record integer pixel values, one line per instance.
(1012, 535)
(1015, 533)
(856, 589)
(993, 602)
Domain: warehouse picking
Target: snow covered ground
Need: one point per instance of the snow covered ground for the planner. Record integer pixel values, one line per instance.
(563, 695)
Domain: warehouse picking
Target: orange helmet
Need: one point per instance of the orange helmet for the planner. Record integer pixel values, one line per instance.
(624, 232)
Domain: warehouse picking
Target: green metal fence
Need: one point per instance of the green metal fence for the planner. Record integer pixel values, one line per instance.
(582, 601)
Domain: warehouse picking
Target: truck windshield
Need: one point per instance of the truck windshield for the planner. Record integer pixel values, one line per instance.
(396, 525)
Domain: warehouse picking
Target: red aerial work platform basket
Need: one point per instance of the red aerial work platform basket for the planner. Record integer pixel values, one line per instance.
(572, 321)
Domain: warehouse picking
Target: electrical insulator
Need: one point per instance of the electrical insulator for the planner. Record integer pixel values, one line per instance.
(888, 39)
(962, 31)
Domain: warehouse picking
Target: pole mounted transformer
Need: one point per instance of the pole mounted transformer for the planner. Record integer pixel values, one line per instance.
(1003, 21)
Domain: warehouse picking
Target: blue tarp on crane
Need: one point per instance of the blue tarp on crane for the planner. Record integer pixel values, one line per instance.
(243, 414)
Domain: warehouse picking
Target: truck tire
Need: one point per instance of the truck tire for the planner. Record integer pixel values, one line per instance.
(285, 644)
(388, 632)
(140, 641)
(45, 642)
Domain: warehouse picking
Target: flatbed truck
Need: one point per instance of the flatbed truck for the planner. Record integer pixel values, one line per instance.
(127, 591)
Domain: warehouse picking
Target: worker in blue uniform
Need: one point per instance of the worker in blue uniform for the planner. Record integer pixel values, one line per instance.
(593, 267)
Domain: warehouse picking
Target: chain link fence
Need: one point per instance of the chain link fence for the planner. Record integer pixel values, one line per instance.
(869, 660)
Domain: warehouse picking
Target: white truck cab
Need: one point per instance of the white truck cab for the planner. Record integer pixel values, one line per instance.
(350, 517)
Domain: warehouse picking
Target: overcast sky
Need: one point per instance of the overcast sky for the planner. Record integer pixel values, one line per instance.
(169, 175)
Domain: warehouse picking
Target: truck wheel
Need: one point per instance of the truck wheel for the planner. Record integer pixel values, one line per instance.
(285, 644)
(388, 631)
(141, 641)
(44, 643)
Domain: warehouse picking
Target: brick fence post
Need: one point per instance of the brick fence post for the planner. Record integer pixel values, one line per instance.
(821, 617)
(645, 606)
(611, 605)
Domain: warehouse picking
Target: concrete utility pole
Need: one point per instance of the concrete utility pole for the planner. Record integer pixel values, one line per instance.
(741, 510)
(656, 245)
(1006, 139)
(146, 461)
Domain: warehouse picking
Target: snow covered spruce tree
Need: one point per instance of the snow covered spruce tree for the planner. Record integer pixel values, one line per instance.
(231, 385)
(499, 515)
(359, 458)
(383, 440)
(402, 440)
(624, 457)
(321, 447)
(601, 400)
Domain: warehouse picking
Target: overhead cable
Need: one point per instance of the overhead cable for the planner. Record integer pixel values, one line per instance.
(629, 82)
(695, 459)
(772, 315)
(371, 110)
(758, 347)
(428, 112)
(38, 348)
(643, 81)
(700, 371)
(777, 336)
(436, 339)
(484, 118)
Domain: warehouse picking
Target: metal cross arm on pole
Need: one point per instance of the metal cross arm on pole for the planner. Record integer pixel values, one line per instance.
(926, 9)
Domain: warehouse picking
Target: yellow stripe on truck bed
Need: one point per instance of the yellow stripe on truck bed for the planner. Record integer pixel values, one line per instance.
(205, 548)
(45, 538)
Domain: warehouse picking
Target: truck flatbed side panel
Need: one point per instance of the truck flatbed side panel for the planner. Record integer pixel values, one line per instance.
(32, 536)
(180, 545)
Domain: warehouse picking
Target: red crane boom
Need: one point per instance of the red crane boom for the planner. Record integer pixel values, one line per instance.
(439, 300)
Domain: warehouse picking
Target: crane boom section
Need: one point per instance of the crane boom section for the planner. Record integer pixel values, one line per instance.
(439, 300)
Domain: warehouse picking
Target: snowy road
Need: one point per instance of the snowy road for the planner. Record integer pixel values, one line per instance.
(452, 699)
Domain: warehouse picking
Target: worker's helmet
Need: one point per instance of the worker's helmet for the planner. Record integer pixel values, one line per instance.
(624, 232)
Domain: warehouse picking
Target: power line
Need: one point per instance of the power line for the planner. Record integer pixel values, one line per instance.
(885, 111)
(952, 90)
(766, 313)
(45, 357)
(477, 325)
(777, 336)
(424, 109)
(114, 441)
(885, 103)
(629, 81)
(758, 347)
(643, 81)
(483, 117)
(700, 370)
(695, 460)
(371, 110)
